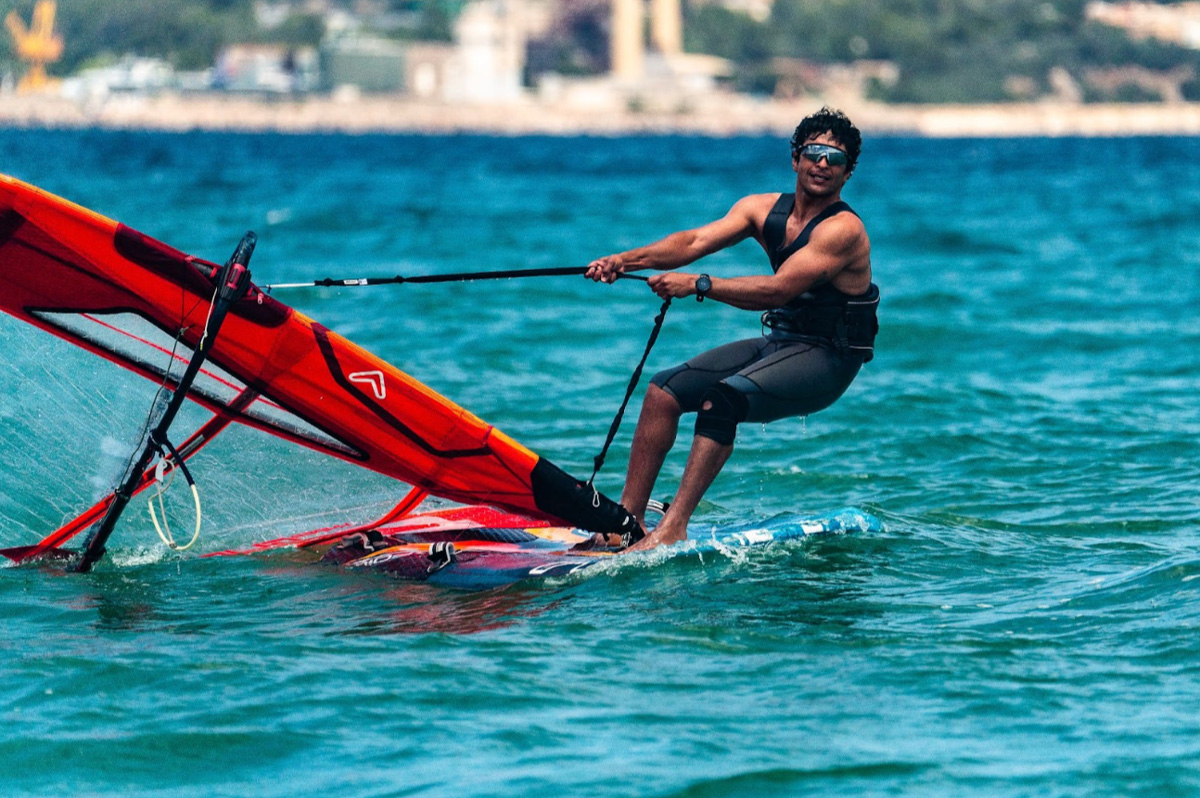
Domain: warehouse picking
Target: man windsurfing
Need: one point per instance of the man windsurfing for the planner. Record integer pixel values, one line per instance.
(818, 307)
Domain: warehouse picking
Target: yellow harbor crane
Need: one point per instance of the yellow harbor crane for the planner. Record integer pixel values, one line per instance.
(37, 46)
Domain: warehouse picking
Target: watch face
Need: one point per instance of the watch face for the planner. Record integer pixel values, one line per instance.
(703, 283)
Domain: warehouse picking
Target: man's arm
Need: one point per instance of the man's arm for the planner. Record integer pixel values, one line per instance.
(686, 246)
(837, 246)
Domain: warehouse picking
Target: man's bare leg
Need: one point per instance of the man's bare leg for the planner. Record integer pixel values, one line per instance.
(704, 463)
(652, 440)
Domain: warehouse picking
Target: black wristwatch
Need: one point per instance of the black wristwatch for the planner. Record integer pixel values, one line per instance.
(703, 286)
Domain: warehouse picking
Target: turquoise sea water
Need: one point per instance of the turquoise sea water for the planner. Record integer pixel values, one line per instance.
(1026, 625)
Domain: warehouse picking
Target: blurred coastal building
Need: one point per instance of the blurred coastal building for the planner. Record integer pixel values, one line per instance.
(636, 61)
(245, 68)
(130, 75)
(484, 63)
(511, 51)
(1177, 22)
(362, 63)
(798, 77)
(658, 57)
(266, 68)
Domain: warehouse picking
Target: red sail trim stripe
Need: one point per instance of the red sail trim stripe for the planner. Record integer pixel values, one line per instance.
(174, 356)
(96, 318)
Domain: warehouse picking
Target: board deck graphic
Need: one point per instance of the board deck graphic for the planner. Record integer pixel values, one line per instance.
(480, 547)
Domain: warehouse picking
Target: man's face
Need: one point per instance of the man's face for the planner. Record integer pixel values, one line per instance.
(822, 170)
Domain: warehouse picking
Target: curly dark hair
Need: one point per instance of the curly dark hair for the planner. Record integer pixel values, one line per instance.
(835, 123)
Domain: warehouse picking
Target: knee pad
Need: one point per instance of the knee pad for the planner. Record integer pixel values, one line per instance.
(721, 409)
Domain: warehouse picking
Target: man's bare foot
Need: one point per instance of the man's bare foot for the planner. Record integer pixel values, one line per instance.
(659, 537)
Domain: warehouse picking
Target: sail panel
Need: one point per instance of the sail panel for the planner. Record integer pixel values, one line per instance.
(71, 272)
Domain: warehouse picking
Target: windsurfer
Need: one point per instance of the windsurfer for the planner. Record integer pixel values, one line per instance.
(819, 305)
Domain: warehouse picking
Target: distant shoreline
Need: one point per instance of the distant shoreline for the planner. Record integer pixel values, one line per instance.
(715, 115)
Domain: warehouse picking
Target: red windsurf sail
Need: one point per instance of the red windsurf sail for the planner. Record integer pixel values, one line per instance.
(142, 304)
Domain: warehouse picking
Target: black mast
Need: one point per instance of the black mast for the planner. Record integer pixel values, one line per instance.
(232, 282)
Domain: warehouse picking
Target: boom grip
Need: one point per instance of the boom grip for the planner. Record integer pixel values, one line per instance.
(234, 276)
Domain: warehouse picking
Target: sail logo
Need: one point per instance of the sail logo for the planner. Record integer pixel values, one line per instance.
(372, 378)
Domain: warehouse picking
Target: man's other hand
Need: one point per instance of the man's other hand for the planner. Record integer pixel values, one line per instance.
(673, 285)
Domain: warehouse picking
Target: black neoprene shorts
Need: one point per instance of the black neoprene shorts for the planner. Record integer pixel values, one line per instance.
(780, 377)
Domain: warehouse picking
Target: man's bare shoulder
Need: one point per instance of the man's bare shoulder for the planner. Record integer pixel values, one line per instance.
(754, 209)
(843, 229)
(758, 203)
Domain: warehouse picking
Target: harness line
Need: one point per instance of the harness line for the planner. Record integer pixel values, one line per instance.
(598, 461)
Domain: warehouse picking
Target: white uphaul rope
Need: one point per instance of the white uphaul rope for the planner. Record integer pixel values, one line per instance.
(163, 529)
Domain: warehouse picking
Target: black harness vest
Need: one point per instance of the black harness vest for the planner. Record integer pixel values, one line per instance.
(850, 322)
